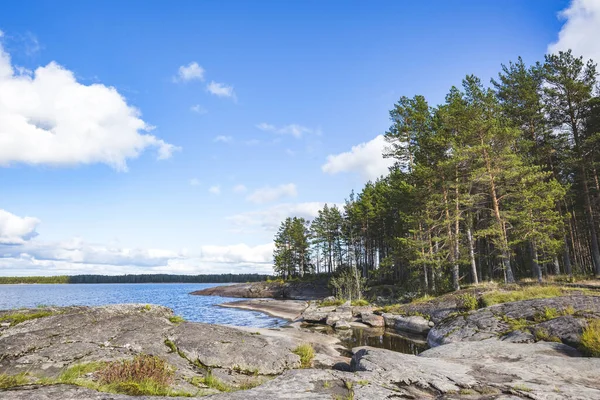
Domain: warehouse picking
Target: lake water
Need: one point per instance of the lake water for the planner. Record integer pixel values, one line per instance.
(173, 295)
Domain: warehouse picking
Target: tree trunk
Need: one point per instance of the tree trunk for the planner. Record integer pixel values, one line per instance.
(535, 266)
(472, 256)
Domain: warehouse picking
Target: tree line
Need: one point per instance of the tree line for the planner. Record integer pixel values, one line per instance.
(143, 278)
(498, 182)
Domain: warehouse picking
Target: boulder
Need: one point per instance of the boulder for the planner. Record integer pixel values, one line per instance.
(341, 325)
(372, 319)
(412, 324)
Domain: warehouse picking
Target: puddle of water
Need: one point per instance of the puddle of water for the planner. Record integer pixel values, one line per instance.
(384, 339)
(375, 337)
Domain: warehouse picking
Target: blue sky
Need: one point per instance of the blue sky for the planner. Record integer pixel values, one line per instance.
(173, 137)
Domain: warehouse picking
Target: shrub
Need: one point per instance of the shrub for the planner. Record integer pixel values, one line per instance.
(590, 338)
(467, 302)
(306, 353)
(329, 303)
(360, 303)
(176, 319)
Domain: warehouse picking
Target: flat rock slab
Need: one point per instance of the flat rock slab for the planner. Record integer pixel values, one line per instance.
(493, 321)
(286, 309)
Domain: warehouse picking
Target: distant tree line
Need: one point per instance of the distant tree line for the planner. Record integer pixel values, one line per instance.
(498, 182)
(145, 278)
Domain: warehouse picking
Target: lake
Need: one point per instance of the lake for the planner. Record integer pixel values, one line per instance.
(173, 295)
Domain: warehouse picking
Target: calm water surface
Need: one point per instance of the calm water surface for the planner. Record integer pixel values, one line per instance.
(172, 295)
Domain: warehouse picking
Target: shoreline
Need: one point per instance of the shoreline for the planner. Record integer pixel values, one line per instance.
(289, 310)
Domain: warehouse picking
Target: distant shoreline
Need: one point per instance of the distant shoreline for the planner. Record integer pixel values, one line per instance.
(141, 278)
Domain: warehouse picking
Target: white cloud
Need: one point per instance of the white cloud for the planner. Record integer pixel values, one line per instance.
(215, 189)
(295, 130)
(365, 159)
(240, 189)
(15, 230)
(20, 254)
(190, 72)
(223, 139)
(268, 194)
(220, 89)
(581, 30)
(50, 118)
(269, 219)
(194, 182)
(198, 109)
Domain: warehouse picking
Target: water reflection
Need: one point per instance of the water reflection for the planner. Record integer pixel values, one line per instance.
(375, 337)
(384, 339)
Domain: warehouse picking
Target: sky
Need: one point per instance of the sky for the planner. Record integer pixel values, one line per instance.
(174, 137)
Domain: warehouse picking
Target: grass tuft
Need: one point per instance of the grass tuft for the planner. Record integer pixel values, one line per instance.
(526, 293)
(360, 303)
(306, 353)
(590, 338)
(10, 381)
(176, 319)
(17, 318)
(467, 302)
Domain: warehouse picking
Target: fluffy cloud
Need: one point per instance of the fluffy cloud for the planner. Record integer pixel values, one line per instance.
(198, 109)
(15, 230)
(581, 30)
(47, 117)
(295, 130)
(190, 72)
(268, 220)
(223, 139)
(268, 194)
(220, 89)
(215, 190)
(365, 159)
(21, 256)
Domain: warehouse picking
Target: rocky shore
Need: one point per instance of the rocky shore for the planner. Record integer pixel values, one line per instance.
(313, 290)
(480, 354)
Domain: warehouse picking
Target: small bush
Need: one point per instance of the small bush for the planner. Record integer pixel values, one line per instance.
(590, 338)
(176, 319)
(360, 303)
(467, 302)
(542, 334)
(144, 369)
(329, 303)
(306, 353)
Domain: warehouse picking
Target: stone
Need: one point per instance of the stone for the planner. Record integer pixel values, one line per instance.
(412, 324)
(341, 325)
(372, 319)
(494, 321)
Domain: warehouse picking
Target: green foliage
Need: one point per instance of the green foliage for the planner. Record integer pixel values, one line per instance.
(292, 252)
(360, 303)
(347, 283)
(527, 293)
(330, 303)
(542, 334)
(590, 338)
(176, 319)
(212, 382)
(10, 381)
(306, 353)
(467, 302)
(17, 318)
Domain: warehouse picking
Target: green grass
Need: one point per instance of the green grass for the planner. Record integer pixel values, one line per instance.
(526, 293)
(176, 319)
(142, 375)
(360, 303)
(520, 324)
(9, 381)
(329, 303)
(306, 353)
(212, 382)
(17, 318)
(590, 338)
(542, 334)
(467, 302)
(522, 388)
